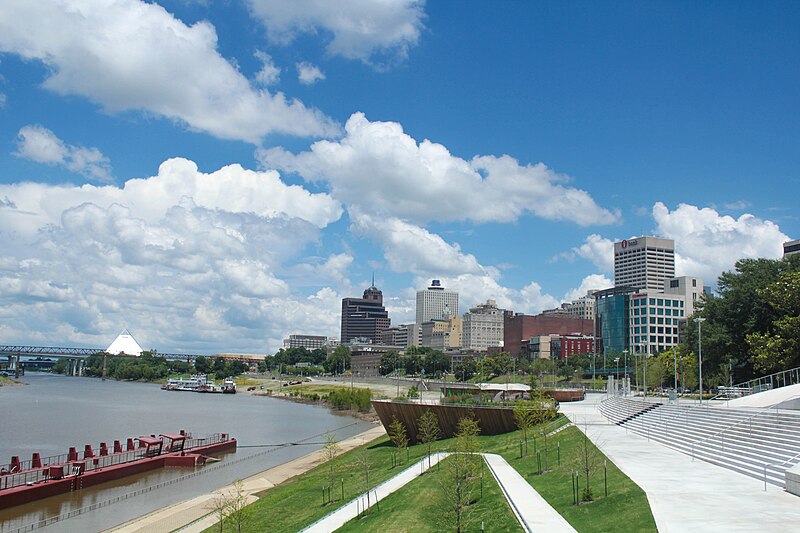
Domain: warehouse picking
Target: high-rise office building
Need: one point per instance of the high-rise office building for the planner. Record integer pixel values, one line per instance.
(483, 327)
(644, 263)
(436, 302)
(791, 248)
(364, 318)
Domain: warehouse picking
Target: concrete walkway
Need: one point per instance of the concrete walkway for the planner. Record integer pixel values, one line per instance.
(531, 510)
(687, 495)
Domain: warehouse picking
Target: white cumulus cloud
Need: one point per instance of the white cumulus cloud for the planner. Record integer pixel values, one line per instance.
(132, 55)
(357, 29)
(269, 74)
(707, 243)
(39, 144)
(592, 282)
(189, 260)
(309, 74)
(380, 169)
(596, 249)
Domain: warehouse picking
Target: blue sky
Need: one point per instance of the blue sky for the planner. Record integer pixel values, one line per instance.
(217, 175)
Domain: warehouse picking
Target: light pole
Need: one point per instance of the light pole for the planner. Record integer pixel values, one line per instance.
(675, 353)
(616, 364)
(700, 321)
(625, 375)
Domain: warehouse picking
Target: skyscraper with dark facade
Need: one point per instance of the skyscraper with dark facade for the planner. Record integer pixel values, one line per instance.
(364, 317)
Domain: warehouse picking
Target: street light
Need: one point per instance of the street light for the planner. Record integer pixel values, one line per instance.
(616, 364)
(700, 321)
(625, 375)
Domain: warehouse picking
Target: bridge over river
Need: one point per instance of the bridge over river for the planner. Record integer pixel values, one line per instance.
(75, 356)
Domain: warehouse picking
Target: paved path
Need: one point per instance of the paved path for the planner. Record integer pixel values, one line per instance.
(531, 510)
(687, 495)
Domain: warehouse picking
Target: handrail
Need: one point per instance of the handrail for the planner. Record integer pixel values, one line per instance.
(771, 378)
(795, 456)
(748, 419)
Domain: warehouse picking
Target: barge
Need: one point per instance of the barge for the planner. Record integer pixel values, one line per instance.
(200, 383)
(27, 481)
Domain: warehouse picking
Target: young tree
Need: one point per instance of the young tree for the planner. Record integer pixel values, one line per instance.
(231, 506)
(329, 451)
(237, 509)
(525, 417)
(461, 472)
(586, 462)
(428, 431)
(363, 463)
(397, 434)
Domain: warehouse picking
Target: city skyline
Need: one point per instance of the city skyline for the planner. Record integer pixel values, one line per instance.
(218, 176)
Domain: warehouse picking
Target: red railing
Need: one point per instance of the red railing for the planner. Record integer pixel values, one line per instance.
(26, 474)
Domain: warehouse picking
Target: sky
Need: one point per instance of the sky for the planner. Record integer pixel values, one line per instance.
(214, 176)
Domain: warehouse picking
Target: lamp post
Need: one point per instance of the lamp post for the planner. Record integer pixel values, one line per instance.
(625, 375)
(700, 321)
(675, 353)
(616, 364)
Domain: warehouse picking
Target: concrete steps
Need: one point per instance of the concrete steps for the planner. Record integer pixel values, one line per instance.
(758, 443)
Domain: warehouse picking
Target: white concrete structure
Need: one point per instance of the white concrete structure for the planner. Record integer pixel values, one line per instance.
(124, 344)
(482, 327)
(686, 495)
(644, 263)
(309, 342)
(689, 287)
(436, 302)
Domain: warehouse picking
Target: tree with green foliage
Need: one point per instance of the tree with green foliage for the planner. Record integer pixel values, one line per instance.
(435, 363)
(458, 484)
(778, 348)
(412, 363)
(466, 369)
(428, 431)
(339, 361)
(390, 361)
(503, 363)
(488, 368)
(398, 435)
(525, 417)
(739, 318)
(203, 364)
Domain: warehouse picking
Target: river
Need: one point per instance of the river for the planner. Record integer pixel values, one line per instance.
(54, 412)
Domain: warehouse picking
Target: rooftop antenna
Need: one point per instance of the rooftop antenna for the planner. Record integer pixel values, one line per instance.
(373, 278)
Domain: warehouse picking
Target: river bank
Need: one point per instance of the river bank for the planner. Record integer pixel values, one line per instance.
(197, 514)
(56, 412)
(9, 382)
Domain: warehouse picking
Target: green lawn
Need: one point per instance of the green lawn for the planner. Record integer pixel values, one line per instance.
(420, 507)
(298, 502)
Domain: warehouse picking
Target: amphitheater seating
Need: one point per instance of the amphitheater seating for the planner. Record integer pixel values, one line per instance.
(759, 443)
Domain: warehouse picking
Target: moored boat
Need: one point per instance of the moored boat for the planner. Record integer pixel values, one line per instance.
(41, 477)
(229, 386)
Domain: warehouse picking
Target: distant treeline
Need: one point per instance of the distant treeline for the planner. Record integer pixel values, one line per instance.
(149, 367)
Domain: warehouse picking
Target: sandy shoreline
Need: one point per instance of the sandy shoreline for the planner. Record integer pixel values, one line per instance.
(196, 514)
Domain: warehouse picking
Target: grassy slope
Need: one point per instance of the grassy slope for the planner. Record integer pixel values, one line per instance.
(298, 502)
(419, 507)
